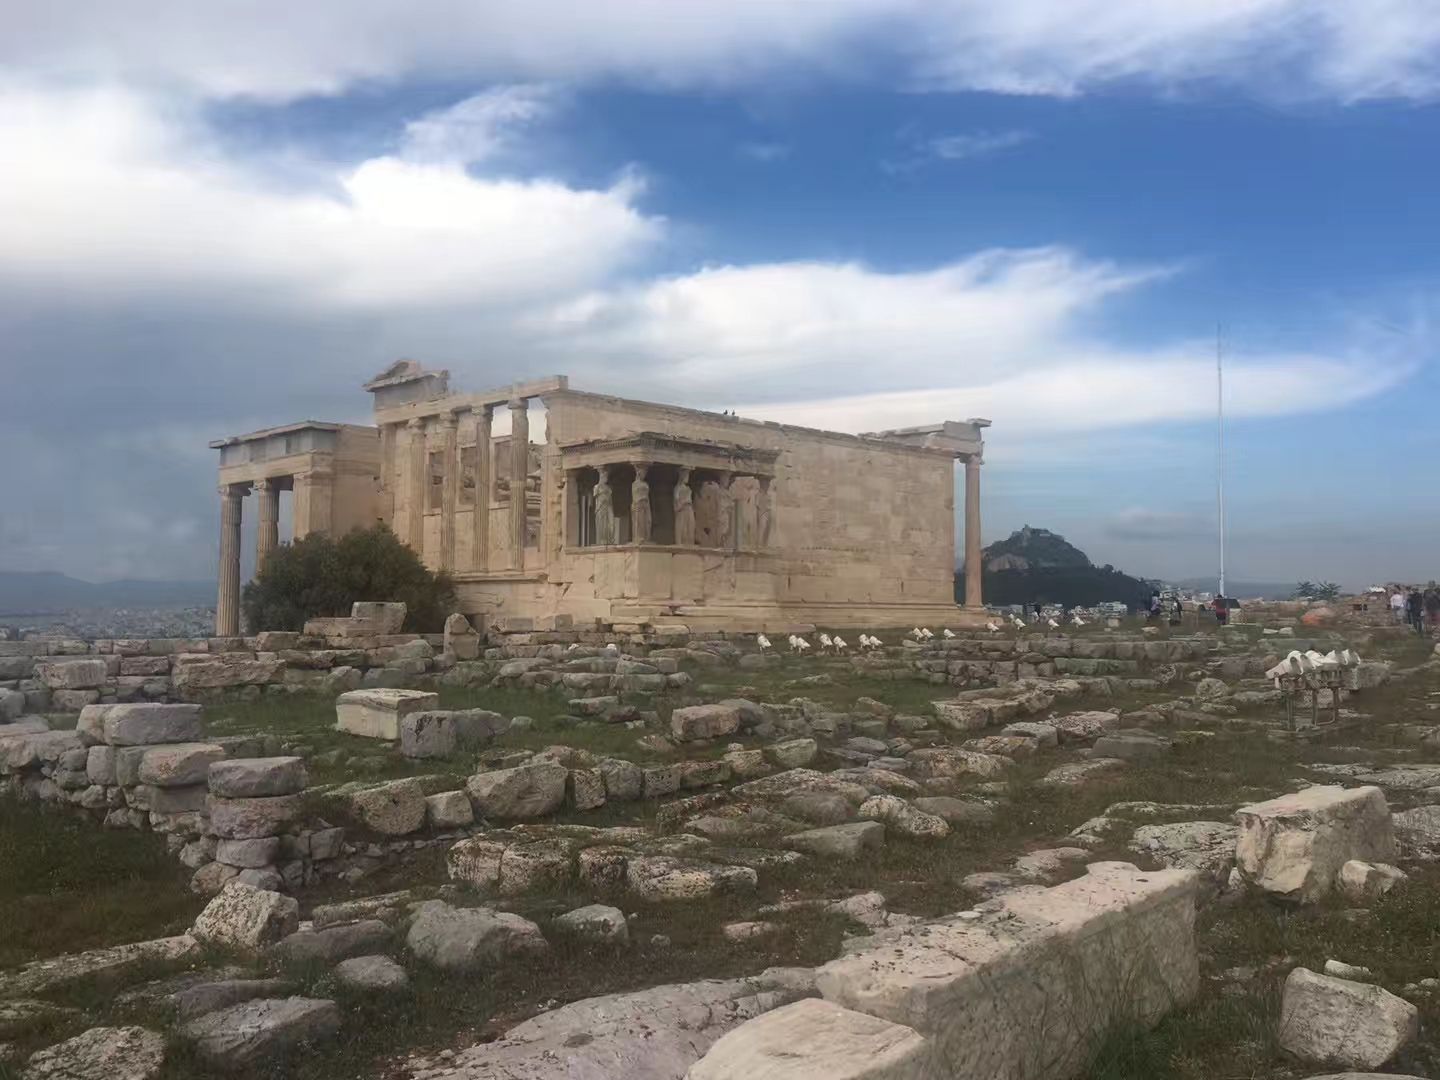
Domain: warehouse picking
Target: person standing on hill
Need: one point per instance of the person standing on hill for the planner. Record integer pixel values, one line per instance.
(1397, 604)
(1415, 608)
(1432, 607)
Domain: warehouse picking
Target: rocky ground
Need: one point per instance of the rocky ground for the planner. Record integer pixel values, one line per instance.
(824, 805)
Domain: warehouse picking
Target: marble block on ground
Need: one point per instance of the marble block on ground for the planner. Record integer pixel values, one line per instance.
(376, 713)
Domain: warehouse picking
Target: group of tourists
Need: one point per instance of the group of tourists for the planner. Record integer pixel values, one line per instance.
(1219, 608)
(1418, 608)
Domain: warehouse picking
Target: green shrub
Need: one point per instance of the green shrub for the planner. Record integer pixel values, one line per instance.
(321, 576)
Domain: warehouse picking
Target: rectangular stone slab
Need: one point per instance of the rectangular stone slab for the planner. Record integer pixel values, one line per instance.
(1026, 992)
(376, 713)
(815, 1039)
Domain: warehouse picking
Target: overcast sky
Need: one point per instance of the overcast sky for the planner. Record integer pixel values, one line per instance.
(853, 214)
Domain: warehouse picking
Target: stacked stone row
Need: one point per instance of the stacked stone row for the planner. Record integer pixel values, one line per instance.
(255, 806)
(40, 676)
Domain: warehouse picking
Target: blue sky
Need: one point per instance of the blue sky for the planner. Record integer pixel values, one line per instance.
(855, 214)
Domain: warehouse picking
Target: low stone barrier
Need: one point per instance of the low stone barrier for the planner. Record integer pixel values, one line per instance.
(1025, 991)
(339, 655)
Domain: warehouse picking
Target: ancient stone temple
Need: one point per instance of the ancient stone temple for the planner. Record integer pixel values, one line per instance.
(553, 507)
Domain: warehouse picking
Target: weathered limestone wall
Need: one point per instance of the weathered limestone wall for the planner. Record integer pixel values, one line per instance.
(863, 534)
(857, 521)
(65, 676)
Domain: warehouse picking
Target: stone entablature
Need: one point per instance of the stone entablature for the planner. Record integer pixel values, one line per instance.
(727, 523)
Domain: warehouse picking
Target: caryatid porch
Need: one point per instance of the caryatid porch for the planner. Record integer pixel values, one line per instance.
(660, 491)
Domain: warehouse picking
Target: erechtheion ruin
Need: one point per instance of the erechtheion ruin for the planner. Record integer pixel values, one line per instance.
(627, 512)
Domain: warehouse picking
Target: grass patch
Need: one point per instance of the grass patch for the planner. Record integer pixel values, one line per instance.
(1230, 1030)
(68, 885)
(449, 1010)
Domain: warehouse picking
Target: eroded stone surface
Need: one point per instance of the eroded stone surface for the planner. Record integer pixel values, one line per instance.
(814, 1039)
(469, 939)
(1339, 1022)
(249, 778)
(244, 1034)
(247, 918)
(526, 791)
(1115, 946)
(849, 841)
(394, 808)
(1294, 846)
(653, 1034)
(1207, 847)
(114, 961)
(373, 973)
(102, 1053)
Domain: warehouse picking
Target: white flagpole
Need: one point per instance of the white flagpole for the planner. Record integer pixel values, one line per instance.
(1220, 446)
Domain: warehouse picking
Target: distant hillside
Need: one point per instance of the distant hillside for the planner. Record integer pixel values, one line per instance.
(46, 592)
(1243, 590)
(1033, 549)
(1037, 565)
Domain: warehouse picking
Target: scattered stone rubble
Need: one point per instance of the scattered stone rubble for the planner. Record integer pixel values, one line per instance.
(804, 781)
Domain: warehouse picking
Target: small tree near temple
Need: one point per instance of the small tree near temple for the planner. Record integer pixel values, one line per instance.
(322, 576)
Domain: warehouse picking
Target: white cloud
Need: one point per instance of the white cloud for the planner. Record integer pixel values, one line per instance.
(922, 150)
(973, 144)
(121, 196)
(1002, 334)
(479, 127)
(1348, 50)
(1332, 49)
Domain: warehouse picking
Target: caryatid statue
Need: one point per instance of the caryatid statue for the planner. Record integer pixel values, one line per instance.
(684, 510)
(725, 514)
(764, 513)
(641, 518)
(604, 509)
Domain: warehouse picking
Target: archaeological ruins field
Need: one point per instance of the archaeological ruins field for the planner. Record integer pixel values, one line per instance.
(1105, 853)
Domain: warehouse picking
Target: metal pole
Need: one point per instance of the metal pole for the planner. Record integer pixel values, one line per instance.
(1220, 446)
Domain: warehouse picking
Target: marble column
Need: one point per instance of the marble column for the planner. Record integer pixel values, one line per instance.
(267, 535)
(227, 603)
(974, 557)
(387, 473)
(450, 489)
(415, 485)
(480, 522)
(519, 473)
